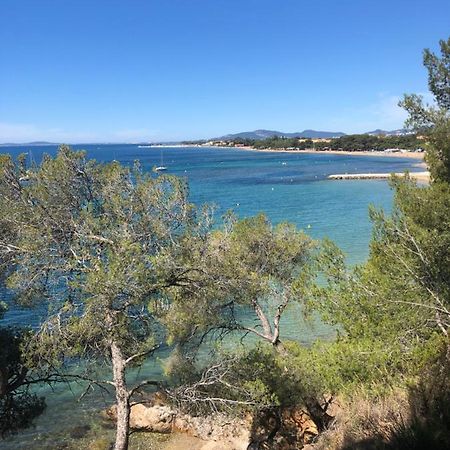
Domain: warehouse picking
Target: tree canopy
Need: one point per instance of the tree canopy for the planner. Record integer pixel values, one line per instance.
(434, 120)
(124, 262)
(86, 240)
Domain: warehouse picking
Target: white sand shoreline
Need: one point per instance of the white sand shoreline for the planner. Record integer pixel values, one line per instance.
(407, 154)
(418, 176)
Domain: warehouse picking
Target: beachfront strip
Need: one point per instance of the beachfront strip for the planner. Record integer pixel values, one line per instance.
(419, 176)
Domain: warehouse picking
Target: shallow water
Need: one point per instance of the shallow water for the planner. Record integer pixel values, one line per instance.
(285, 186)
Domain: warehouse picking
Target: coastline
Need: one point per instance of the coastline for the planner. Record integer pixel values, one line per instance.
(418, 156)
(418, 176)
(404, 154)
(407, 154)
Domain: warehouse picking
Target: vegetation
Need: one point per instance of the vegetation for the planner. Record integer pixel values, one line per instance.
(396, 307)
(18, 407)
(392, 313)
(434, 121)
(353, 142)
(88, 240)
(125, 261)
(260, 269)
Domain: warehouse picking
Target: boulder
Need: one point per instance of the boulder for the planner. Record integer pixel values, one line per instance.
(218, 432)
(155, 418)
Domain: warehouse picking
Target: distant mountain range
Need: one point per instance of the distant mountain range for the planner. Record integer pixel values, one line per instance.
(257, 134)
(314, 134)
(264, 134)
(378, 132)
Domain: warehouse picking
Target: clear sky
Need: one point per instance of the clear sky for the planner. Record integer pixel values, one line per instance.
(130, 70)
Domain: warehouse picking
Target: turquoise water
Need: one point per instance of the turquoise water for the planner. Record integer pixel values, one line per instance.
(285, 186)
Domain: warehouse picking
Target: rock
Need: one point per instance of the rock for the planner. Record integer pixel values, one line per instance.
(219, 446)
(185, 442)
(282, 429)
(274, 429)
(219, 430)
(298, 422)
(156, 418)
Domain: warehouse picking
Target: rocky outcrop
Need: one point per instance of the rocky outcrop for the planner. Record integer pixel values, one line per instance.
(282, 429)
(231, 434)
(155, 418)
(274, 429)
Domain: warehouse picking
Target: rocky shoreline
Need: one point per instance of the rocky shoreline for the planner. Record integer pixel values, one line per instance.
(275, 428)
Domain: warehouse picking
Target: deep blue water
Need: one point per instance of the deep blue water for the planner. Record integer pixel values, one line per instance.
(286, 186)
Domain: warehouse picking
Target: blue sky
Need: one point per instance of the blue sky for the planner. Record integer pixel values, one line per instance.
(107, 70)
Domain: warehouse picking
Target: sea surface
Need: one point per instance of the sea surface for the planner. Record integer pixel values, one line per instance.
(286, 186)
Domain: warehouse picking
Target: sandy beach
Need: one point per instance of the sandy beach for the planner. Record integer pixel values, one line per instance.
(413, 155)
(418, 176)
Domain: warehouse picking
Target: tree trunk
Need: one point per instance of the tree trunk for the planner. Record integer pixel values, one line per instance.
(122, 398)
(316, 411)
(279, 347)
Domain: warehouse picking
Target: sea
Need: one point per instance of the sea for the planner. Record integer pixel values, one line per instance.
(286, 186)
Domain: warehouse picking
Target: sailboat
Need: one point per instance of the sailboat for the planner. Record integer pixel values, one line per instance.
(162, 167)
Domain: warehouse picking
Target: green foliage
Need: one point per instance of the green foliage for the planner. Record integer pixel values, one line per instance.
(401, 295)
(392, 311)
(18, 411)
(417, 417)
(122, 257)
(18, 407)
(344, 366)
(352, 142)
(283, 143)
(249, 268)
(439, 73)
(255, 378)
(434, 121)
(88, 240)
(92, 240)
(358, 142)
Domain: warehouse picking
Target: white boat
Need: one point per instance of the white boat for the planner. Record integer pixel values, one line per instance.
(161, 167)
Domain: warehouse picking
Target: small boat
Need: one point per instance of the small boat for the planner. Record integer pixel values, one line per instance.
(161, 167)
